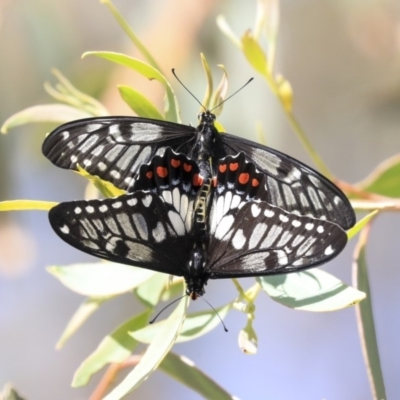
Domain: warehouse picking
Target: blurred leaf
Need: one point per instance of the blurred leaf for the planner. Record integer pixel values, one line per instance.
(311, 290)
(227, 31)
(100, 279)
(107, 189)
(210, 83)
(9, 393)
(58, 113)
(172, 112)
(81, 315)
(140, 104)
(129, 32)
(195, 325)
(365, 321)
(254, 54)
(149, 293)
(25, 205)
(185, 371)
(385, 179)
(114, 348)
(360, 224)
(65, 92)
(220, 93)
(247, 339)
(154, 354)
(173, 289)
(285, 92)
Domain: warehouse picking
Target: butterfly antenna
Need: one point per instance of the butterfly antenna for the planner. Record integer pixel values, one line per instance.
(216, 312)
(170, 304)
(176, 76)
(223, 101)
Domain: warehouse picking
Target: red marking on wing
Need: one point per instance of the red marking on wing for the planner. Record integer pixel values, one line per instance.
(222, 168)
(197, 180)
(175, 163)
(243, 178)
(162, 172)
(187, 167)
(255, 182)
(149, 174)
(233, 166)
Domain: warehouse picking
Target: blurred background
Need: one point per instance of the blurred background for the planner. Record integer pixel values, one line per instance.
(343, 61)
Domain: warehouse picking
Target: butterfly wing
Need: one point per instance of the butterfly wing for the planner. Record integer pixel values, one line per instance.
(261, 239)
(250, 237)
(113, 148)
(138, 229)
(292, 185)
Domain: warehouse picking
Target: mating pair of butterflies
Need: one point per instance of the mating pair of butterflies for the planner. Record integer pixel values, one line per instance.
(263, 212)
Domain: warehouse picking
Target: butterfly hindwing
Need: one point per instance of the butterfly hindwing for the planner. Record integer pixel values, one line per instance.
(260, 239)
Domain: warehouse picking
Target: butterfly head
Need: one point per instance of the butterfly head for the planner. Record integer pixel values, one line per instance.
(195, 276)
(207, 118)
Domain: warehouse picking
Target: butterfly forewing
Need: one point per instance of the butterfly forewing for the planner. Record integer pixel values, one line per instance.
(113, 148)
(292, 185)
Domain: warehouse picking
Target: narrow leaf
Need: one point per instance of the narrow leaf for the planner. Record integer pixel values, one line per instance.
(114, 348)
(150, 292)
(100, 279)
(384, 179)
(254, 53)
(139, 103)
(154, 354)
(185, 371)
(195, 325)
(360, 224)
(365, 321)
(107, 189)
(58, 113)
(25, 205)
(172, 112)
(311, 290)
(81, 315)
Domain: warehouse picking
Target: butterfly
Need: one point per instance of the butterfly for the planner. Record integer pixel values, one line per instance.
(175, 222)
(114, 148)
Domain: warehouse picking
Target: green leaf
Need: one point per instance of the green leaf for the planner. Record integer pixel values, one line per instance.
(185, 371)
(385, 179)
(25, 205)
(154, 354)
(114, 348)
(220, 93)
(150, 292)
(101, 279)
(360, 224)
(366, 324)
(58, 113)
(195, 325)
(140, 104)
(172, 112)
(81, 315)
(311, 290)
(107, 189)
(254, 54)
(129, 32)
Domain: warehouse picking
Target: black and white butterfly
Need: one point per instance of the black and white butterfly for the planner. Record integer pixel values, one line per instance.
(114, 148)
(160, 225)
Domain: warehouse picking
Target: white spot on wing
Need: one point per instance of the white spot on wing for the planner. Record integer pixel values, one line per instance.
(257, 234)
(224, 226)
(177, 223)
(141, 225)
(282, 257)
(239, 240)
(78, 210)
(329, 250)
(64, 229)
(255, 210)
(132, 201)
(159, 233)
